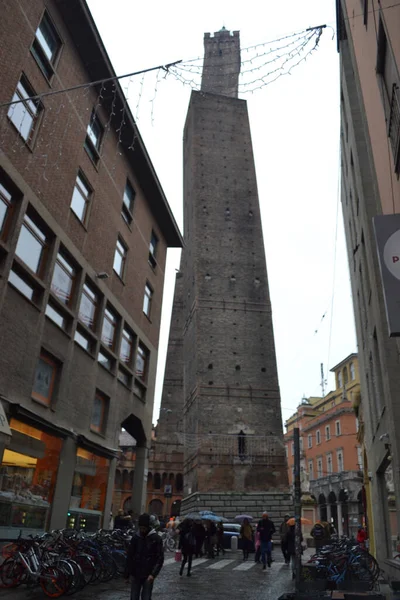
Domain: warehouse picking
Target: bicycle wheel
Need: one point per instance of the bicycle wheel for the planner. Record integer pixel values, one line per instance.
(12, 572)
(108, 568)
(119, 558)
(73, 574)
(52, 581)
(87, 566)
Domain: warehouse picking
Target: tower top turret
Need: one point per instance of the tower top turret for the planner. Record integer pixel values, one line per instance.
(221, 66)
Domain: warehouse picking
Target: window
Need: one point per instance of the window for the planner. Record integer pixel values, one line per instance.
(359, 458)
(88, 307)
(329, 464)
(339, 457)
(310, 441)
(93, 138)
(124, 377)
(333, 403)
(45, 377)
(120, 258)
(352, 372)
(319, 468)
(148, 294)
(56, 316)
(338, 430)
(127, 202)
(340, 379)
(153, 250)
(311, 469)
(98, 420)
(105, 360)
(387, 70)
(109, 329)
(318, 434)
(25, 113)
(345, 376)
(142, 358)
(5, 210)
(126, 349)
(83, 340)
(46, 46)
(31, 246)
(63, 279)
(81, 197)
(22, 285)
(292, 448)
(328, 433)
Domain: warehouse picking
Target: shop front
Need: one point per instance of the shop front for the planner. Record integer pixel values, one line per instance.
(89, 489)
(28, 476)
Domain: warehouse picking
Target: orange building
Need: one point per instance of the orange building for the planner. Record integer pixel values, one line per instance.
(331, 455)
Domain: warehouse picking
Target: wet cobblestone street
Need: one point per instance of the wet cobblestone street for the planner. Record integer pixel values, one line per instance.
(226, 577)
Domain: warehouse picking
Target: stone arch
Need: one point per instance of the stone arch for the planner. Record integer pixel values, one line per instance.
(156, 507)
(127, 504)
(157, 481)
(117, 480)
(179, 482)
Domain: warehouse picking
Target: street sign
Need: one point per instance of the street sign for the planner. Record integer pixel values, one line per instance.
(167, 491)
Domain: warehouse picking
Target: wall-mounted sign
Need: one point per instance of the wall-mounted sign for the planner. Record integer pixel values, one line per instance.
(4, 426)
(167, 491)
(387, 234)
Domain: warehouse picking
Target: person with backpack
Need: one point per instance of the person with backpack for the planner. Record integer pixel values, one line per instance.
(320, 534)
(145, 559)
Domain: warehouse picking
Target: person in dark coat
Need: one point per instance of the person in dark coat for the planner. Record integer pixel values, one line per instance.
(200, 534)
(266, 528)
(291, 547)
(283, 530)
(187, 543)
(220, 538)
(211, 538)
(145, 559)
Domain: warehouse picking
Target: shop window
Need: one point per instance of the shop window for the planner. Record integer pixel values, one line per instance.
(127, 202)
(45, 378)
(121, 252)
(32, 245)
(46, 46)
(142, 358)
(99, 413)
(153, 250)
(126, 349)
(25, 114)
(88, 307)
(148, 296)
(63, 280)
(94, 136)
(109, 329)
(81, 197)
(6, 206)
(88, 491)
(28, 477)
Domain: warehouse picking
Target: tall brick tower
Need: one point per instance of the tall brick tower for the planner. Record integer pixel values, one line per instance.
(225, 407)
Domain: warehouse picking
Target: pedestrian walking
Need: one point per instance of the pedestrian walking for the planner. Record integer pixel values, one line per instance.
(257, 546)
(220, 538)
(246, 535)
(211, 538)
(266, 529)
(283, 530)
(145, 559)
(187, 543)
(200, 534)
(121, 521)
(291, 547)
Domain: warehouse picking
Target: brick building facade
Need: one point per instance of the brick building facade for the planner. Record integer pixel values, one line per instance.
(331, 455)
(221, 392)
(84, 229)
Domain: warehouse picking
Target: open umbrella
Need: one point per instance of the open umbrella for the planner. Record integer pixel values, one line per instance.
(241, 518)
(195, 516)
(211, 517)
(303, 521)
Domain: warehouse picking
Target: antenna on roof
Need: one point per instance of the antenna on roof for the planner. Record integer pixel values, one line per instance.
(323, 380)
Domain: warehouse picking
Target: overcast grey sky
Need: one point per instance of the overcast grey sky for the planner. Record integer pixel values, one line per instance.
(295, 132)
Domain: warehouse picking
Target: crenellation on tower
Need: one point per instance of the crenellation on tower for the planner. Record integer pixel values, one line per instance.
(221, 67)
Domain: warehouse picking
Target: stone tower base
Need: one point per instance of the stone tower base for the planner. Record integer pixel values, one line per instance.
(230, 504)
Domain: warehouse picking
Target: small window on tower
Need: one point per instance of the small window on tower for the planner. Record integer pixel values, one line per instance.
(242, 445)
